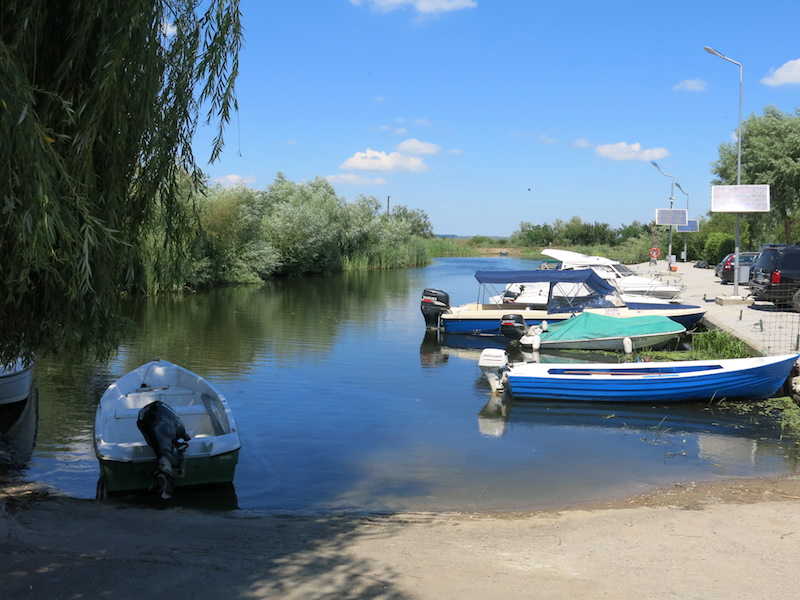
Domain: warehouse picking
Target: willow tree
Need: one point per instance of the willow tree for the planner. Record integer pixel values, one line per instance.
(770, 155)
(99, 101)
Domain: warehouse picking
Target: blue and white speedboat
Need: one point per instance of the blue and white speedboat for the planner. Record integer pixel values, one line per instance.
(562, 295)
(747, 379)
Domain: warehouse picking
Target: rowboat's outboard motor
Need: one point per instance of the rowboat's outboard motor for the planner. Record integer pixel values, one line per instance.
(513, 326)
(165, 434)
(434, 303)
(494, 363)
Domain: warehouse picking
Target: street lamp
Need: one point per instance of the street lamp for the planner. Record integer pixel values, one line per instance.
(671, 201)
(685, 235)
(738, 166)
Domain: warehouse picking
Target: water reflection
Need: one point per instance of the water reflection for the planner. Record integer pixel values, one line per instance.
(720, 435)
(18, 423)
(344, 402)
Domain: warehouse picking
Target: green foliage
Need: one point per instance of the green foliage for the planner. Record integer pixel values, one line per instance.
(97, 115)
(770, 155)
(314, 231)
(718, 246)
(235, 248)
(572, 233)
(481, 241)
(448, 247)
(417, 220)
(786, 411)
(717, 343)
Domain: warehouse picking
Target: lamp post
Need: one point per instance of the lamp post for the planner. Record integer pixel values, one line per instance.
(738, 166)
(671, 201)
(685, 235)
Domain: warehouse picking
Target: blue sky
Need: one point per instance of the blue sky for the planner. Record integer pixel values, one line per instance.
(488, 113)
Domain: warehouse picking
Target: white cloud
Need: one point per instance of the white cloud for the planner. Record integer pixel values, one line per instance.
(290, 143)
(234, 180)
(787, 73)
(373, 160)
(168, 29)
(691, 85)
(546, 139)
(455, 151)
(414, 146)
(581, 143)
(624, 151)
(426, 7)
(378, 99)
(350, 178)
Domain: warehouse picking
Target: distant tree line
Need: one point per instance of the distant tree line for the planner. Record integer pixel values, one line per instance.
(576, 233)
(242, 235)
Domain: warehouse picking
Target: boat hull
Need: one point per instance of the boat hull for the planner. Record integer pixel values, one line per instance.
(128, 463)
(484, 319)
(15, 383)
(131, 476)
(615, 344)
(688, 381)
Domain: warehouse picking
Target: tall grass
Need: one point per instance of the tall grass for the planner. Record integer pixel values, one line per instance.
(717, 343)
(448, 247)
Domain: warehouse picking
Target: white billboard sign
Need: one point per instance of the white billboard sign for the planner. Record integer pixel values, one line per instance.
(672, 216)
(739, 198)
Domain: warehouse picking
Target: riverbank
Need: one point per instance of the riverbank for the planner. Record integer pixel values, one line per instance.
(734, 539)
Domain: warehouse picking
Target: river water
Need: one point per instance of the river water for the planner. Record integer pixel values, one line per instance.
(344, 403)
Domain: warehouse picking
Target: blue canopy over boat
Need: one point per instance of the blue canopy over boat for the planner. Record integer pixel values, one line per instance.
(585, 276)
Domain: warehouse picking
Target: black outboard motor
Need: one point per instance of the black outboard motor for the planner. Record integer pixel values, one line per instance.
(165, 434)
(434, 303)
(513, 326)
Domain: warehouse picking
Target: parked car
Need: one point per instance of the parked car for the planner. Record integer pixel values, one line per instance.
(775, 276)
(746, 259)
(720, 264)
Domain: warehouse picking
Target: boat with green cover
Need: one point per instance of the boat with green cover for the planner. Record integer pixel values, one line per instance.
(591, 331)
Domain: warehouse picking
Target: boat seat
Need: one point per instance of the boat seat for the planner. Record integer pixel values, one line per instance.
(182, 410)
(140, 399)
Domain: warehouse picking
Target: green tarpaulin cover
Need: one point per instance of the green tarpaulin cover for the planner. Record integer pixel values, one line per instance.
(587, 326)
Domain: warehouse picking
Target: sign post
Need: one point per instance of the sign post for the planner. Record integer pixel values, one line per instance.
(739, 199)
(672, 217)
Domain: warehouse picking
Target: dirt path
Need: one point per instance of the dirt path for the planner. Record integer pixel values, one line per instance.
(735, 539)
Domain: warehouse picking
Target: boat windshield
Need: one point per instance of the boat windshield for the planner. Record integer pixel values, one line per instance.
(577, 297)
(623, 270)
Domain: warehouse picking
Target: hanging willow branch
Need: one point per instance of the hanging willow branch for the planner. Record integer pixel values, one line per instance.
(99, 101)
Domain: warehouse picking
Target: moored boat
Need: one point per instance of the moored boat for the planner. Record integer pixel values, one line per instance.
(590, 331)
(568, 293)
(16, 381)
(747, 379)
(623, 278)
(162, 426)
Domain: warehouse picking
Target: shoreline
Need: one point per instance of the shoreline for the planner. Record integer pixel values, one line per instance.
(733, 538)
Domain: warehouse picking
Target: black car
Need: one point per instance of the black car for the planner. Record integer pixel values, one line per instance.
(775, 276)
(725, 268)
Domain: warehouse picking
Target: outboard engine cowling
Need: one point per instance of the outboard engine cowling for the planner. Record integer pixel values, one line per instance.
(165, 433)
(513, 326)
(433, 304)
